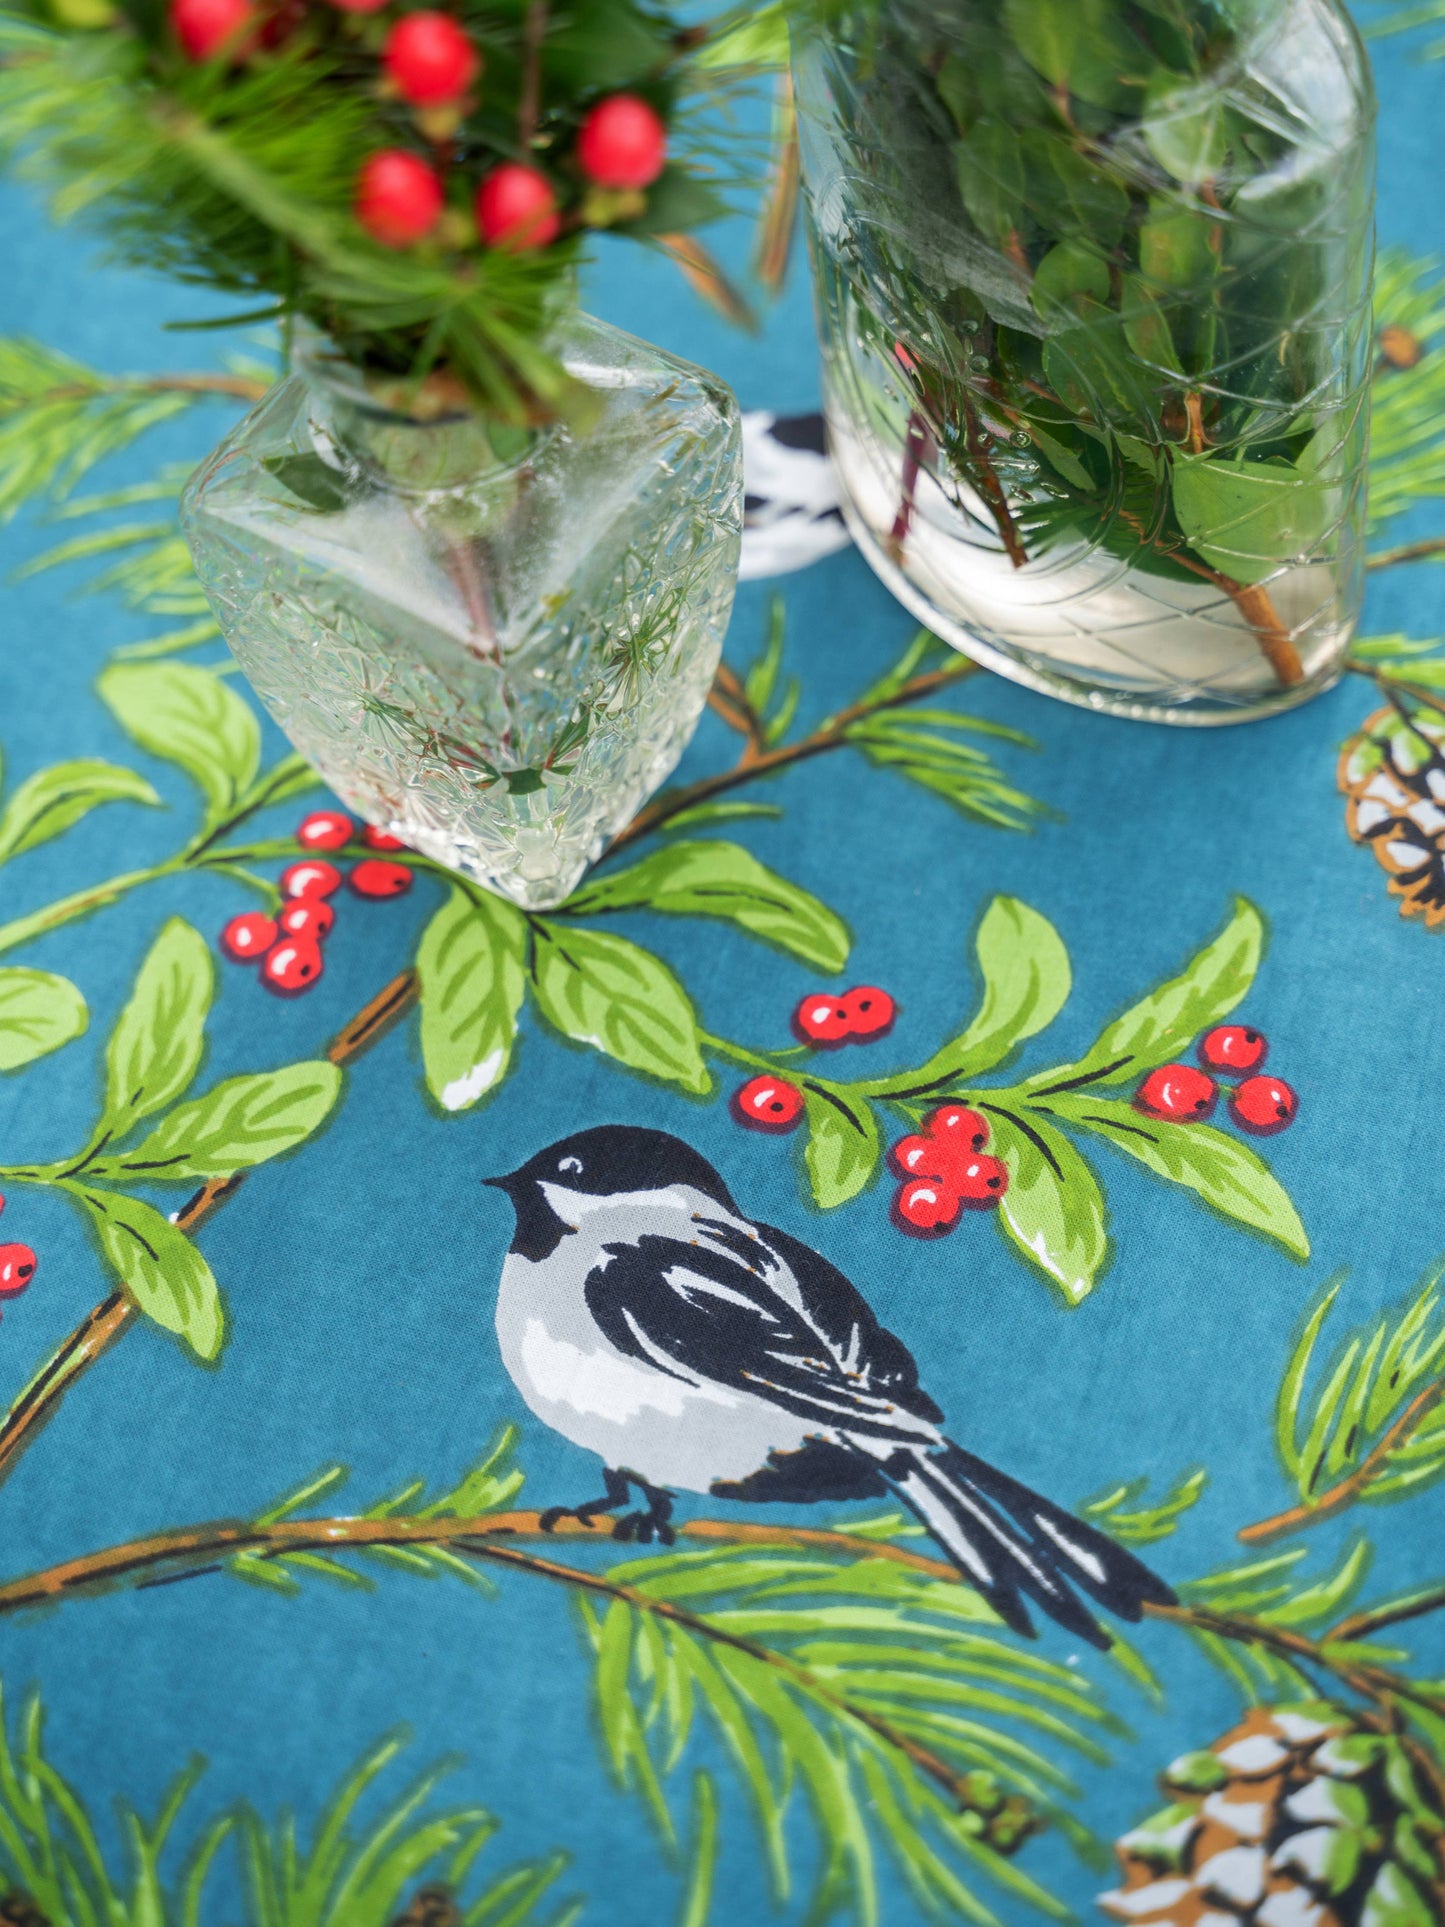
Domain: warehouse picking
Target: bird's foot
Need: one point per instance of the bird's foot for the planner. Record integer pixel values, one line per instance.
(642, 1528)
(617, 1494)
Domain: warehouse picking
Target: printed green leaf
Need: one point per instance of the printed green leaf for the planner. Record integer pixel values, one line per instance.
(155, 1048)
(1291, 1389)
(160, 1269)
(619, 999)
(1026, 983)
(38, 1013)
(241, 1123)
(1053, 1209)
(189, 717)
(843, 1144)
(723, 880)
(473, 971)
(51, 800)
(1162, 1025)
(1228, 1175)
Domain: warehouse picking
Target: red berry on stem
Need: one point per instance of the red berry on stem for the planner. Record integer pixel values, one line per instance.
(821, 1020)
(292, 966)
(959, 1126)
(925, 1208)
(429, 59)
(1233, 1047)
(312, 878)
(310, 917)
(980, 1182)
(248, 936)
(373, 878)
(768, 1103)
(376, 839)
(516, 208)
(1263, 1105)
(869, 1010)
(325, 830)
(922, 1157)
(399, 199)
(622, 143)
(206, 28)
(17, 1268)
(1178, 1092)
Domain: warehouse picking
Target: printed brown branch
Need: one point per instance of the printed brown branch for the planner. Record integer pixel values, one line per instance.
(1342, 1495)
(100, 1328)
(1420, 551)
(491, 1539)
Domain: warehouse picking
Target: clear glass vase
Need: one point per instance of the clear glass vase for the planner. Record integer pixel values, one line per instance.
(1093, 284)
(493, 643)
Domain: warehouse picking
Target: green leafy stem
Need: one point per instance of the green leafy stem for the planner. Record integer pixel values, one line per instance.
(1054, 1209)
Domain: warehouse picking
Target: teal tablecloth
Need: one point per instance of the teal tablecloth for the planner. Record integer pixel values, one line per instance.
(1138, 1325)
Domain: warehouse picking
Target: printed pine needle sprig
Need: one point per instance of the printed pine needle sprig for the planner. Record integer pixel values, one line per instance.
(358, 1864)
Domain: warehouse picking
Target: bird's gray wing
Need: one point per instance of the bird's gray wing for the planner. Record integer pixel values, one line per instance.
(705, 1313)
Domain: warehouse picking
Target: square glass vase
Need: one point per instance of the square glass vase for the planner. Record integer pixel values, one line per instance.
(492, 642)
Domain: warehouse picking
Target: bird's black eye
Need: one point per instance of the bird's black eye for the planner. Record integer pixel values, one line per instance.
(574, 1165)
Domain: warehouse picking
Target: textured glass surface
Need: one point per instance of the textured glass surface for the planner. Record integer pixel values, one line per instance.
(494, 658)
(1095, 360)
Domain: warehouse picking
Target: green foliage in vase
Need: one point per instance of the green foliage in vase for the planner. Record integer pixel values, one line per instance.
(1083, 243)
(238, 167)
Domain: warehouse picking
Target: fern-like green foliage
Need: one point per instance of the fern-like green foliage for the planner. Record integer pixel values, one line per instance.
(880, 1700)
(359, 1864)
(1408, 16)
(1373, 1417)
(1125, 1514)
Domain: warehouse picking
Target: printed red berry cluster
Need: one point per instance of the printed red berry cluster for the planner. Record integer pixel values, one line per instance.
(771, 1102)
(427, 62)
(289, 944)
(946, 1171)
(17, 1267)
(1182, 1093)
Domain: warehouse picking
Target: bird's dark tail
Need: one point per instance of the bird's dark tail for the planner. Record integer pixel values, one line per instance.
(1011, 1544)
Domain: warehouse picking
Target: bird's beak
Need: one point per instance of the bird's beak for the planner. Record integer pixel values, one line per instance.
(501, 1183)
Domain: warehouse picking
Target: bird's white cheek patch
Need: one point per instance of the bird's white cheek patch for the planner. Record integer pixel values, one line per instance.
(602, 1385)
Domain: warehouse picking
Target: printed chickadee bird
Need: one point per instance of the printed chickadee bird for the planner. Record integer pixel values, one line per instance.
(643, 1317)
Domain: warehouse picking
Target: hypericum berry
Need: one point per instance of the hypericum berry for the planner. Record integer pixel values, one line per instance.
(313, 878)
(325, 830)
(870, 1011)
(429, 59)
(822, 1020)
(959, 1126)
(517, 209)
(1233, 1047)
(376, 839)
(399, 199)
(1178, 1092)
(768, 1104)
(311, 917)
(206, 28)
(249, 936)
(17, 1268)
(1263, 1105)
(622, 143)
(373, 878)
(293, 965)
(979, 1182)
(925, 1208)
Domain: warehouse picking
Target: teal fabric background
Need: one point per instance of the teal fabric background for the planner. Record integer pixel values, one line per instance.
(360, 1273)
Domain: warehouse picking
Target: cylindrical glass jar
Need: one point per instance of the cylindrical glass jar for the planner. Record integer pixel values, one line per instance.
(1093, 294)
(493, 642)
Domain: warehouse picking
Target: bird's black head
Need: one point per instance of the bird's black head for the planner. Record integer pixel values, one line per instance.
(608, 1161)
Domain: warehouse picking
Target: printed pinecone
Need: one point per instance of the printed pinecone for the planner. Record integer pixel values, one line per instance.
(1298, 1817)
(431, 1907)
(1393, 772)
